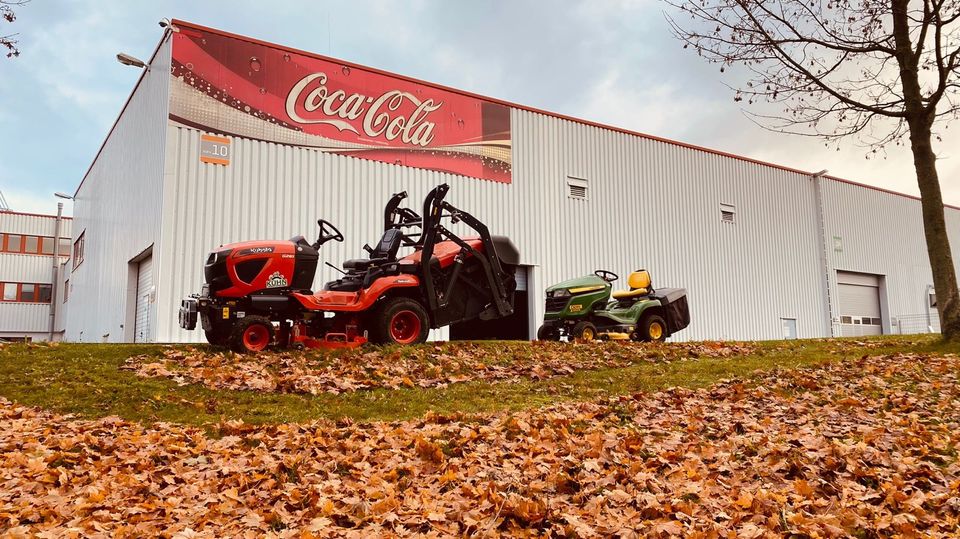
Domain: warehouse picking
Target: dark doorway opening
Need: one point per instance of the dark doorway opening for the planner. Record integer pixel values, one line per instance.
(515, 327)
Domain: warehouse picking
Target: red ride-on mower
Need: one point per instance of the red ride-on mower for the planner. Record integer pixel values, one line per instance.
(257, 294)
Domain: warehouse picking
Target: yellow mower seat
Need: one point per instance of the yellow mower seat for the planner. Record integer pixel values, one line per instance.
(639, 283)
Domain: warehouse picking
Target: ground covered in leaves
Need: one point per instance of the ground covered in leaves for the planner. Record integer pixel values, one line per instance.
(862, 447)
(397, 367)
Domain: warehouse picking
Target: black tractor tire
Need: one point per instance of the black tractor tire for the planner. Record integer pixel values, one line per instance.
(583, 331)
(251, 335)
(652, 327)
(548, 333)
(399, 321)
(217, 336)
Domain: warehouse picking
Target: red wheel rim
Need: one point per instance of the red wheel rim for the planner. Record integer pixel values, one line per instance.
(256, 337)
(405, 327)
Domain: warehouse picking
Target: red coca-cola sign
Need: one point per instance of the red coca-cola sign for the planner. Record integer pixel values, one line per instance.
(233, 86)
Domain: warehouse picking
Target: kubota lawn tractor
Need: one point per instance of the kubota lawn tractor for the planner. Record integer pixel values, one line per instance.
(257, 294)
(580, 309)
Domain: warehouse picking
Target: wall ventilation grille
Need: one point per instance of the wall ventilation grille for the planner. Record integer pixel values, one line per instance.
(577, 188)
(728, 213)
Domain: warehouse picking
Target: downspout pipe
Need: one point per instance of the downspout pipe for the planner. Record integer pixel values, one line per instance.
(56, 271)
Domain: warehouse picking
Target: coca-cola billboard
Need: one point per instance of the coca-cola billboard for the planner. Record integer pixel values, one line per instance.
(232, 86)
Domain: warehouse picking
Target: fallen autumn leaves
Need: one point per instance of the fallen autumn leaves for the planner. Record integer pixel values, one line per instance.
(864, 448)
(438, 366)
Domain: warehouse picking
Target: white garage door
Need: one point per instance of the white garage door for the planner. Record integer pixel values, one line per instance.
(143, 328)
(859, 304)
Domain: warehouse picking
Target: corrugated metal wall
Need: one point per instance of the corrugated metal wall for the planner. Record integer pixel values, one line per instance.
(118, 209)
(34, 225)
(869, 231)
(651, 205)
(17, 319)
(25, 319)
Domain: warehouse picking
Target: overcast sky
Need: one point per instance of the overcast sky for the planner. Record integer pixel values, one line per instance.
(608, 61)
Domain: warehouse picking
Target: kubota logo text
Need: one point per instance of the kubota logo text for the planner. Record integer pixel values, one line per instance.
(379, 114)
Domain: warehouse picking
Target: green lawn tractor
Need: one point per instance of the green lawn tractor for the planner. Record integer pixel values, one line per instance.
(581, 309)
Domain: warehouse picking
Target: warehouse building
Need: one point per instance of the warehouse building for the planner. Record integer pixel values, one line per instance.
(227, 138)
(30, 304)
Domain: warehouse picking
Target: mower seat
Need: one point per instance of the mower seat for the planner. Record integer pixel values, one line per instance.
(639, 283)
(386, 251)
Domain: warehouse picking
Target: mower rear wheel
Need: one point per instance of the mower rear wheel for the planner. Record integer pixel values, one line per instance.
(584, 331)
(653, 328)
(548, 333)
(251, 334)
(217, 336)
(400, 321)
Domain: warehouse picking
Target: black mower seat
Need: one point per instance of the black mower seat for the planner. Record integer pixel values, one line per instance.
(386, 251)
(363, 263)
(639, 283)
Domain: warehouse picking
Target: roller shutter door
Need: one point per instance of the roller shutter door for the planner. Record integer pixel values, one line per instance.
(859, 295)
(143, 329)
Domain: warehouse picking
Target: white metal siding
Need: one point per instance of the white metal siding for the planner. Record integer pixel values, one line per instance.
(652, 205)
(882, 234)
(143, 330)
(33, 225)
(118, 208)
(17, 319)
(25, 318)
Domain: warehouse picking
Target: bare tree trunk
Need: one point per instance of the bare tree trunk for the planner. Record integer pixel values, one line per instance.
(935, 230)
(920, 120)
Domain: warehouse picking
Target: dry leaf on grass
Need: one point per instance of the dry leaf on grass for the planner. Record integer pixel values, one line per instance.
(775, 458)
(424, 366)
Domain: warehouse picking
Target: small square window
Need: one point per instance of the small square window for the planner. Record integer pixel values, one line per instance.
(64, 246)
(846, 320)
(14, 243)
(9, 291)
(46, 246)
(28, 293)
(44, 293)
(32, 244)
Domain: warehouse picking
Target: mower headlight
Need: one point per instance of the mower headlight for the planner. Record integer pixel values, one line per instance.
(562, 293)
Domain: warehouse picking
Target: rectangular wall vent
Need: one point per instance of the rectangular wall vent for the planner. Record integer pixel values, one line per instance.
(577, 188)
(728, 213)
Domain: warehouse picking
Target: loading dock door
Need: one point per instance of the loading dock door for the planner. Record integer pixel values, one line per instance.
(859, 304)
(143, 329)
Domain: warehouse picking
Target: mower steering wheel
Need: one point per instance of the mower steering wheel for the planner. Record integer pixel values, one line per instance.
(324, 235)
(607, 276)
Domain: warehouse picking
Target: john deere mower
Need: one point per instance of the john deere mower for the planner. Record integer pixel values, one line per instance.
(581, 309)
(257, 294)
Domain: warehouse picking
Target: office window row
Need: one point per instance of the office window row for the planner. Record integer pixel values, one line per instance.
(32, 245)
(25, 292)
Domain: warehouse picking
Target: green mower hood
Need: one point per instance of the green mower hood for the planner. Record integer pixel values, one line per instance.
(580, 285)
(576, 298)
